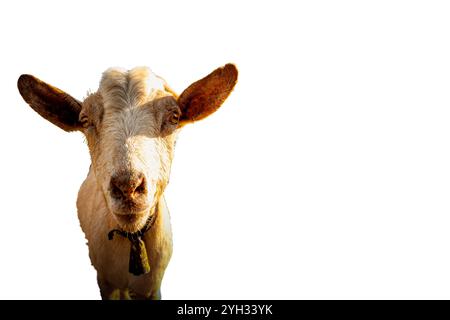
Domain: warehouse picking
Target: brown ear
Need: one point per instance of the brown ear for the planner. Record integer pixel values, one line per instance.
(51, 103)
(206, 95)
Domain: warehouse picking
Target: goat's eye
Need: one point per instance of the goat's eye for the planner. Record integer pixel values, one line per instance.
(84, 121)
(174, 118)
(170, 121)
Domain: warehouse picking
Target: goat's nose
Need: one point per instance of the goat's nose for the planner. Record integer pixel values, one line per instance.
(127, 185)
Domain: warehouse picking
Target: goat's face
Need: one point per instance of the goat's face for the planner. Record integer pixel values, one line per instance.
(130, 125)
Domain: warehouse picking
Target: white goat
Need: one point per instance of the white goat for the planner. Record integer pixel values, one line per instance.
(130, 124)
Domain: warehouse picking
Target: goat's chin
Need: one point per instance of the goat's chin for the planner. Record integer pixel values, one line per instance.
(131, 222)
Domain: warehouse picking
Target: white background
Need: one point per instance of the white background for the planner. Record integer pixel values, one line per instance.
(326, 174)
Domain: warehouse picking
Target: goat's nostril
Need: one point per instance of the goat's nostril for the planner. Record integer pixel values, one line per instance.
(141, 187)
(115, 190)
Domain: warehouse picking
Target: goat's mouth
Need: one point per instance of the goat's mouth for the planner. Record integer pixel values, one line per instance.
(131, 222)
(128, 218)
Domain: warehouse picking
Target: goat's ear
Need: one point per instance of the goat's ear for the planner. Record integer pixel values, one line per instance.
(51, 103)
(206, 95)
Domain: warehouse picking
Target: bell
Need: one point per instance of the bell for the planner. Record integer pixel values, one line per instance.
(138, 258)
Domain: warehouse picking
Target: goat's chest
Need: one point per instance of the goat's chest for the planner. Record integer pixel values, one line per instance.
(112, 263)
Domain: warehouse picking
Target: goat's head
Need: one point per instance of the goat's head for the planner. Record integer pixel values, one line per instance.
(130, 125)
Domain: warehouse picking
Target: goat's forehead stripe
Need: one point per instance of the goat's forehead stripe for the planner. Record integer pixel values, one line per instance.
(123, 89)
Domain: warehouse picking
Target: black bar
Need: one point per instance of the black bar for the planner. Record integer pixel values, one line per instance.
(226, 309)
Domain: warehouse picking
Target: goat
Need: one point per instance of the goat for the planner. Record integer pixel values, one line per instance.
(130, 123)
